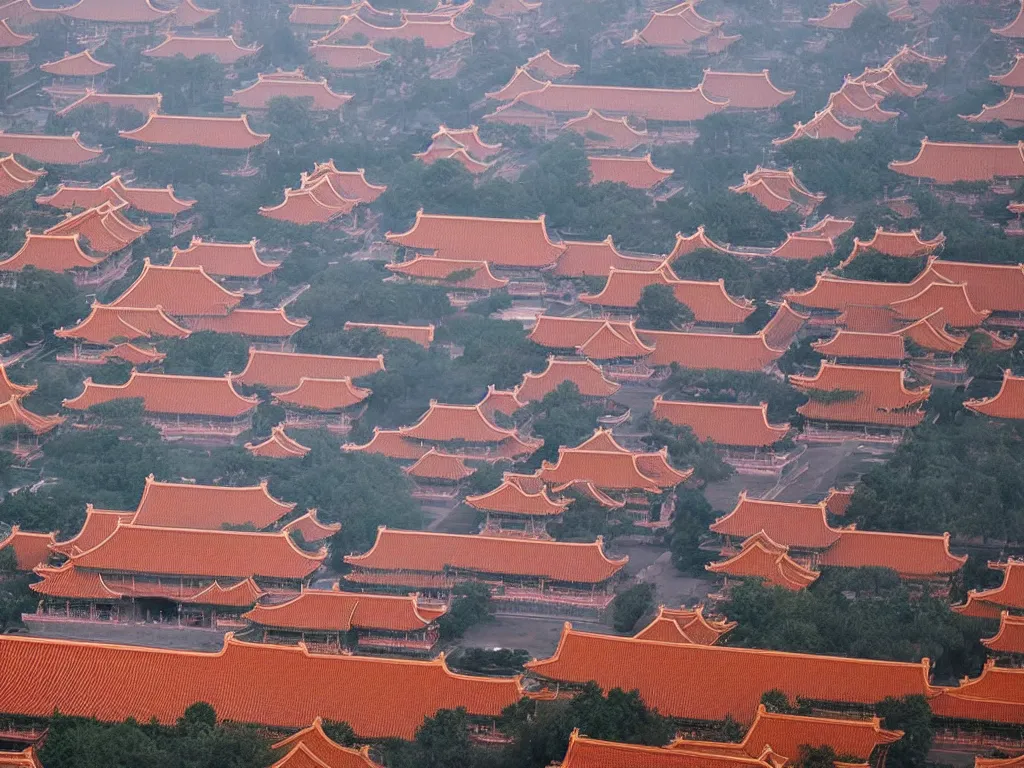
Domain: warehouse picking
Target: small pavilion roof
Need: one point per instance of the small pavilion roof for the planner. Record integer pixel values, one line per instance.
(908, 55)
(323, 395)
(312, 748)
(503, 401)
(607, 470)
(277, 446)
(687, 244)
(744, 90)
(881, 395)
(157, 200)
(1009, 111)
(950, 298)
(859, 101)
(506, 242)
(950, 162)
(588, 378)
(437, 552)
(611, 342)
(49, 150)
(521, 82)
(352, 185)
(684, 626)
(1014, 78)
(14, 177)
(179, 291)
(634, 172)
(53, 253)
(190, 130)
(573, 332)
(223, 49)
(838, 500)
(732, 680)
(390, 443)
(1009, 638)
(285, 370)
(268, 86)
(677, 27)
(1015, 29)
(107, 325)
(331, 610)
(799, 246)
(839, 16)
(830, 227)
(418, 334)
(1007, 403)
(995, 287)
(458, 154)
(824, 125)
(863, 346)
(115, 11)
(347, 57)
(104, 227)
(67, 581)
(548, 66)
(994, 697)
(223, 259)
(443, 423)
(324, 15)
(606, 133)
(133, 354)
(839, 294)
(436, 465)
(435, 34)
(139, 683)
(584, 752)
(774, 568)
(188, 14)
(143, 103)
(82, 64)
(706, 351)
(796, 526)
(30, 548)
(582, 258)
(437, 272)
(510, 499)
(171, 395)
(208, 507)
(308, 524)
(777, 190)
(317, 203)
(898, 244)
(470, 139)
(98, 525)
(663, 104)
(889, 82)
(728, 424)
(911, 555)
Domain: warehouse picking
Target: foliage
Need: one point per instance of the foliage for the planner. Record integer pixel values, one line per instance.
(913, 716)
(735, 387)
(816, 757)
(41, 303)
(563, 417)
(685, 450)
(887, 269)
(689, 525)
(205, 353)
(470, 606)
(659, 309)
(630, 605)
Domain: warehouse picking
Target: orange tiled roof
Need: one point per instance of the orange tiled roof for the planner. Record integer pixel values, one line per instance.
(592, 753)
(859, 101)
(347, 57)
(635, 172)
(14, 414)
(799, 526)
(950, 162)
(106, 325)
(14, 177)
(1009, 638)
(443, 423)
(510, 499)
(949, 298)
(23, 12)
(830, 227)
(684, 626)
(886, 80)
(115, 11)
(99, 523)
(81, 64)
(588, 378)
(311, 748)
(459, 154)
(774, 567)
(602, 440)
(824, 125)
(611, 342)
(170, 395)
(900, 244)
(839, 16)
(180, 291)
(1014, 29)
(727, 424)
(156, 551)
(521, 82)
(418, 334)
(390, 443)
(323, 394)
(223, 49)
(223, 259)
(838, 294)
(1007, 403)
(677, 27)
(687, 244)
(186, 505)
(699, 682)
(499, 401)
(53, 253)
(504, 242)
(9, 389)
(777, 190)
(71, 582)
(143, 103)
(910, 555)
(1009, 111)
(308, 525)
(104, 227)
(131, 353)
(863, 346)
(285, 370)
(435, 34)
(11, 39)
(435, 465)
(152, 200)
(799, 246)
(189, 130)
(277, 446)
(665, 104)
(995, 697)
(573, 332)
(30, 548)
(1014, 78)
(997, 762)
(148, 684)
(708, 300)
(351, 185)
(241, 595)
(328, 15)
(547, 65)
(705, 351)
(470, 139)
(607, 471)
(606, 133)
(744, 90)
(269, 86)
(440, 552)
(996, 287)
(597, 258)
(882, 396)
(50, 150)
(316, 203)
(331, 610)
(838, 500)
(188, 14)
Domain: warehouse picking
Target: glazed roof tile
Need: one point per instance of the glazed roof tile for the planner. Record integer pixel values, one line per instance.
(829, 227)
(499, 401)
(143, 103)
(308, 525)
(435, 34)
(14, 414)
(208, 507)
(314, 746)
(323, 395)
(267, 87)
(744, 90)
(435, 465)
(351, 185)
(98, 525)
(839, 16)
(684, 626)
(14, 177)
(664, 104)
(706, 351)
(188, 14)
(509, 498)
(285, 370)
(910, 555)
(588, 378)
(838, 294)
(882, 396)
(799, 526)
(863, 346)
(389, 443)
(115, 11)
(597, 258)
(50, 150)
(223, 259)
(131, 353)
(606, 133)
(611, 342)
(727, 424)
(347, 57)
(606, 470)
(441, 552)
(1007, 403)
(591, 753)
(1009, 111)
(459, 155)
(30, 548)
(950, 162)
(547, 65)
(994, 697)
(802, 247)
(82, 64)
(824, 125)
(950, 298)
(1014, 77)
(53, 253)
(775, 569)
(995, 287)
(70, 582)
(317, 202)
(1009, 638)
(418, 334)
(444, 423)
(253, 323)
(179, 291)
(634, 172)
(573, 332)
(223, 49)
(106, 325)
(190, 130)
(331, 610)
(104, 227)
(170, 395)
(521, 82)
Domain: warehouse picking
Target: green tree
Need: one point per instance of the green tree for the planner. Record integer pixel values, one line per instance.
(470, 606)
(913, 716)
(689, 525)
(816, 757)
(630, 605)
(659, 309)
(443, 740)
(198, 717)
